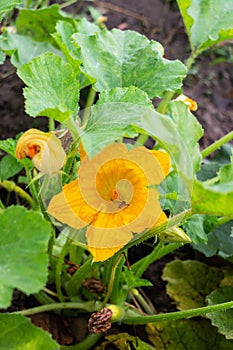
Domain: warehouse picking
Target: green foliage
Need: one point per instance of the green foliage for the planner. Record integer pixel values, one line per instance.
(122, 341)
(220, 242)
(188, 282)
(198, 226)
(40, 24)
(222, 319)
(2, 57)
(22, 48)
(7, 6)
(24, 238)
(186, 334)
(212, 200)
(9, 166)
(181, 116)
(134, 60)
(53, 90)
(207, 22)
(16, 332)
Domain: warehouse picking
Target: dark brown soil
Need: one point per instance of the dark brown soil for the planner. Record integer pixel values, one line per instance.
(209, 84)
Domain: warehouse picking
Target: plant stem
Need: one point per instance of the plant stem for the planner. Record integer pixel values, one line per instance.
(59, 266)
(175, 220)
(176, 315)
(111, 282)
(51, 124)
(88, 306)
(68, 3)
(87, 110)
(163, 104)
(223, 220)
(142, 301)
(11, 186)
(87, 343)
(217, 144)
(73, 127)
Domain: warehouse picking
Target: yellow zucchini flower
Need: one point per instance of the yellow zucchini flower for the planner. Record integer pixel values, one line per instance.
(43, 148)
(192, 105)
(112, 197)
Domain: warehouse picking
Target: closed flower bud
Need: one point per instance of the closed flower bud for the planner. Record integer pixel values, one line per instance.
(192, 105)
(43, 148)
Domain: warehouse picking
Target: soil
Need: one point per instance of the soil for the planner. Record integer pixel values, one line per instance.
(210, 84)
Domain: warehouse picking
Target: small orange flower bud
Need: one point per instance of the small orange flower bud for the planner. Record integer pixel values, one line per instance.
(192, 105)
(43, 148)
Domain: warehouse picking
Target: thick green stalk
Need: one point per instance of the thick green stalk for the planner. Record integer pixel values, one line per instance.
(171, 316)
(175, 220)
(87, 111)
(88, 306)
(86, 344)
(111, 281)
(58, 271)
(217, 144)
(11, 186)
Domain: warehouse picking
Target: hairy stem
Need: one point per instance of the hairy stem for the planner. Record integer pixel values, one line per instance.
(176, 315)
(11, 186)
(217, 144)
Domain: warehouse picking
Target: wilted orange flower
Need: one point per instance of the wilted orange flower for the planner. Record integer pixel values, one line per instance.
(192, 105)
(44, 148)
(112, 197)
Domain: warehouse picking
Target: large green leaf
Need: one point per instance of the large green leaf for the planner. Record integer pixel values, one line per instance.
(113, 120)
(220, 242)
(212, 200)
(53, 90)
(123, 58)
(8, 5)
(186, 335)
(21, 48)
(40, 24)
(188, 282)
(17, 333)
(222, 319)
(207, 21)
(24, 238)
(182, 117)
(9, 166)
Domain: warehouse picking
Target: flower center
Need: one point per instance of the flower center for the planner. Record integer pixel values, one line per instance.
(114, 195)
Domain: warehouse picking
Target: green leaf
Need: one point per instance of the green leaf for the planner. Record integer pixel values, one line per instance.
(222, 319)
(188, 282)
(226, 172)
(17, 332)
(212, 200)
(220, 242)
(2, 57)
(8, 5)
(8, 146)
(133, 281)
(123, 341)
(134, 60)
(125, 95)
(24, 239)
(63, 38)
(207, 22)
(182, 117)
(21, 48)
(40, 24)
(195, 228)
(9, 166)
(208, 170)
(52, 90)
(186, 335)
(173, 194)
(111, 121)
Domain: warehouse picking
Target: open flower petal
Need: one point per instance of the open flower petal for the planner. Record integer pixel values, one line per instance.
(113, 197)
